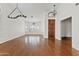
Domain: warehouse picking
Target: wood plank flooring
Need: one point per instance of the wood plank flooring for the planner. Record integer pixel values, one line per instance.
(37, 46)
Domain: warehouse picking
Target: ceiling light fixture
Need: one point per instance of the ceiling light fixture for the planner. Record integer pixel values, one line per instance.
(52, 13)
(77, 4)
(19, 15)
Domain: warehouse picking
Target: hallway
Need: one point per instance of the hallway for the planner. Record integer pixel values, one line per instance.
(25, 46)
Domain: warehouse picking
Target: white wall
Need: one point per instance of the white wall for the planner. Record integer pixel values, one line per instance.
(69, 29)
(9, 28)
(64, 11)
(46, 25)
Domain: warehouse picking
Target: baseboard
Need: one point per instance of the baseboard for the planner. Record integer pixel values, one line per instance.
(12, 38)
(46, 36)
(75, 48)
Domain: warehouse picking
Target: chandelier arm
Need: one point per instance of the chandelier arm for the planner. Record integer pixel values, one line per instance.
(13, 17)
(20, 11)
(12, 12)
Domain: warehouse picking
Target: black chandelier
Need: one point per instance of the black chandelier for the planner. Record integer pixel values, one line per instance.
(20, 15)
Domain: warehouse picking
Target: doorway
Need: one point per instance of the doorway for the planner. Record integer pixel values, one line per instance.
(51, 29)
(66, 28)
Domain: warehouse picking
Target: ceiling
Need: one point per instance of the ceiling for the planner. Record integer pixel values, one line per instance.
(29, 8)
(35, 7)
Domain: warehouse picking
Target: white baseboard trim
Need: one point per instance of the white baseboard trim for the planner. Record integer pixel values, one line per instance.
(75, 48)
(46, 36)
(58, 38)
(11, 38)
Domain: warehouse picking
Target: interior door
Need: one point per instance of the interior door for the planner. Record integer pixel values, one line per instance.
(51, 29)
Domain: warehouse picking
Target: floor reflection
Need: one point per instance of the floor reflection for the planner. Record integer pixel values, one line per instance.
(33, 40)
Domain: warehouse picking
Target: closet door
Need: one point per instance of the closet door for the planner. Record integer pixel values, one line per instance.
(51, 29)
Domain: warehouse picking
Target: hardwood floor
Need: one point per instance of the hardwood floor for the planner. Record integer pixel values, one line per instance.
(37, 46)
